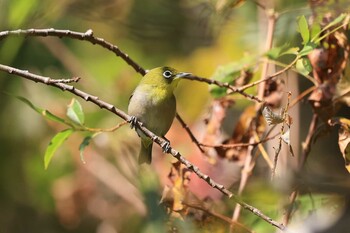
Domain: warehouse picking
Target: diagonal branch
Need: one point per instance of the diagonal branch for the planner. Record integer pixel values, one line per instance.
(189, 132)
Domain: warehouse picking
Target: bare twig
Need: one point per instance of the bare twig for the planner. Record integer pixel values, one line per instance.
(193, 138)
(263, 152)
(238, 144)
(306, 146)
(217, 215)
(263, 80)
(232, 88)
(158, 140)
(71, 80)
(302, 95)
(86, 36)
(112, 129)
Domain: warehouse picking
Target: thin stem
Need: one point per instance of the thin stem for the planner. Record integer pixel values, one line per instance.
(238, 144)
(217, 215)
(193, 138)
(232, 88)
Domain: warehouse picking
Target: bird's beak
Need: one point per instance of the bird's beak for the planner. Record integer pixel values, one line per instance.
(181, 75)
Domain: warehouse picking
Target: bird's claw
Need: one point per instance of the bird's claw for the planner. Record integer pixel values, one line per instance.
(166, 146)
(133, 121)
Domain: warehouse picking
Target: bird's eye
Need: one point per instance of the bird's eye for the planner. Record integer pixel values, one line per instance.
(167, 74)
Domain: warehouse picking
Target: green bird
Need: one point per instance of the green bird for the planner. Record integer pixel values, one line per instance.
(154, 104)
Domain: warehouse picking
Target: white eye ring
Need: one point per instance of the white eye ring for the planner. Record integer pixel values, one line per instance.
(167, 74)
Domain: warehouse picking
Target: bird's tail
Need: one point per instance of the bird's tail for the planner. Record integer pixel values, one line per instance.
(145, 155)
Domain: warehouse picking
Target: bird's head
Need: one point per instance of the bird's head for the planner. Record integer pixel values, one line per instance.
(163, 76)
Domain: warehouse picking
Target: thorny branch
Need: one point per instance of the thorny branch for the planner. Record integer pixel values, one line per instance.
(155, 138)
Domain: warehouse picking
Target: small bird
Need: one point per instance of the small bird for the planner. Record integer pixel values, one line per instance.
(154, 104)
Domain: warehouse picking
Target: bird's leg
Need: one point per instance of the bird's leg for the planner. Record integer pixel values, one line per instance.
(165, 145)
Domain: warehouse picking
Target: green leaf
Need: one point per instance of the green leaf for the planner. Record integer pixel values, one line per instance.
(308, 47)
(315, 32)
(86, 141)
(75, 112)
(277, 52)
(54, 144)
(229, 73)
(304, 29)
(303, 65)
(45, 113)
(226, 74)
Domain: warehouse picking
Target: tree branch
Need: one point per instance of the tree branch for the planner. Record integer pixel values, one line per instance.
(232, 88)
(193, 138)
(86, 36)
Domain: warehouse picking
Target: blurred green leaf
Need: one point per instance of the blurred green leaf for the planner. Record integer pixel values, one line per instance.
(303, 65)
(308, 47)
(228, 74)
(45, 113)
(277, 52)
(86, 141)
(75, 112)
(315, 32)
(304, 29)
(54, 144)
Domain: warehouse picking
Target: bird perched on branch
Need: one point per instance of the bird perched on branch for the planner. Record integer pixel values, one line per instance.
(154, 104)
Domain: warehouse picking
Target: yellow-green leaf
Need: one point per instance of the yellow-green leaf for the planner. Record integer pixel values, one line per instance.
(75, 112)
(277, 52)
(304, 29)
(303, 65)
(54, 144)
(308, 47)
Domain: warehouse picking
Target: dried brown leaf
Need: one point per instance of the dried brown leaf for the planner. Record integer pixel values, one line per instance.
(343, 138)
(271, 117)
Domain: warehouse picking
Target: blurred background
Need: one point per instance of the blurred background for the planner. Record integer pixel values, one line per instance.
(110, 193)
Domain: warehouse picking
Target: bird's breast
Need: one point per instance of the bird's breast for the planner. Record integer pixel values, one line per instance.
(154, 107)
